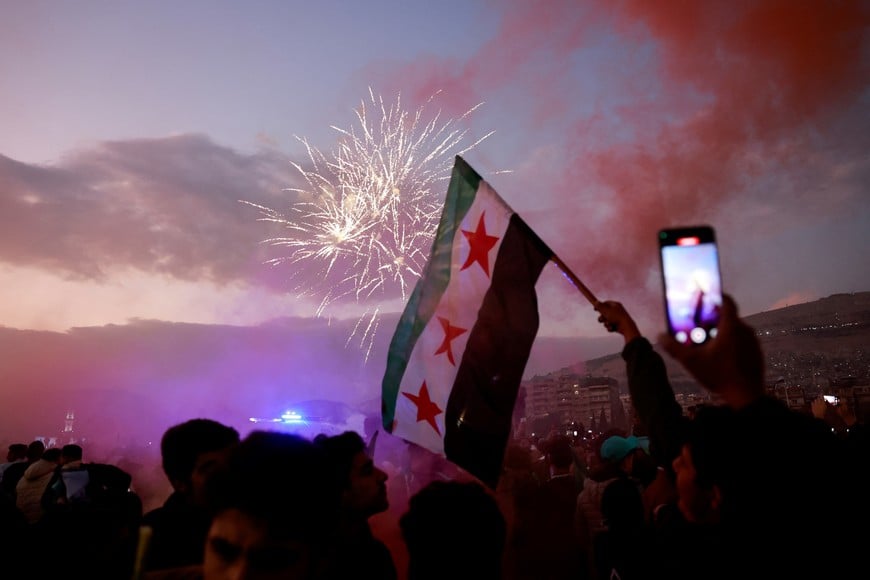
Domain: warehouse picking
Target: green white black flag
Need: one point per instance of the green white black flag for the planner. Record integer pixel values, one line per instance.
(459, 351)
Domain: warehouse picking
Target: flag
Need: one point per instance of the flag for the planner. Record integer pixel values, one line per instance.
(460, 348)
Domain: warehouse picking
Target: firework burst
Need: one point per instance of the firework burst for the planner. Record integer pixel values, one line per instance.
(364, 222)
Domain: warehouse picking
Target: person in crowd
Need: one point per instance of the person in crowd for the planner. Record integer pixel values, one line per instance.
(276, 510)
(579, 468)
(363, 494)
(543, 542)
(454, 529)
(516, 494)
(33, 484)
(626, 548)
(14, 472)
(91, 517)
(190, 451)
(69, 480)
(643, 467)
(71, 456)
(743, 501)
(560, 456)
(13, 525)
(540, 465)
(616, 456)
(14, 538)
(17, 453)
(658, 493)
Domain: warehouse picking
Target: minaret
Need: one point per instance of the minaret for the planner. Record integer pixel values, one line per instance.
(68, 425)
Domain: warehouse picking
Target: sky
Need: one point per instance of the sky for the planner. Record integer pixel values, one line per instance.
(131, 131)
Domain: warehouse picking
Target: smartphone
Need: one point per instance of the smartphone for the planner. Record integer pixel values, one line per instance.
(832, 399)
(692, 282)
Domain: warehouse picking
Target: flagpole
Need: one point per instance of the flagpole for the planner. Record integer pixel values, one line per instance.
(575, 280)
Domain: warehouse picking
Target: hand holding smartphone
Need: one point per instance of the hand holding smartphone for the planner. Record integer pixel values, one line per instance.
(692, 282)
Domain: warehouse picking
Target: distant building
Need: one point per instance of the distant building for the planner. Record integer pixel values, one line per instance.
(560, 400)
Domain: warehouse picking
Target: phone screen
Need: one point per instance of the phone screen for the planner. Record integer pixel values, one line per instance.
(692, 282)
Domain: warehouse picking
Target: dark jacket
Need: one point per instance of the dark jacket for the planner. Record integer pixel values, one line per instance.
(179, 531)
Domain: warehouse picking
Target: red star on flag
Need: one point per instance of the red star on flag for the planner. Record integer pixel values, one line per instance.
(450, 332)
(479, 246)
(426, 409)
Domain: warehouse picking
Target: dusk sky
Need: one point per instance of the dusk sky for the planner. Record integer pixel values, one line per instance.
(130, 131)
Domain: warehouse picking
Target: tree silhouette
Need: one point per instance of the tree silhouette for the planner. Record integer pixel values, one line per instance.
(603, 425)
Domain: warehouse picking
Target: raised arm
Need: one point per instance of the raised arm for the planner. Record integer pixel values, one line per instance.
(651, 393)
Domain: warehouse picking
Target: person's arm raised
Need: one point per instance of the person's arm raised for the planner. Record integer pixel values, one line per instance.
(651, 393)
(616, 318)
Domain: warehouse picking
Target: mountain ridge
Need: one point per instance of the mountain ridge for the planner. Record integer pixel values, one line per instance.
(826, 334)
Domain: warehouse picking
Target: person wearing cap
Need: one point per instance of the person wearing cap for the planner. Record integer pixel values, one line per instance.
(616, 462)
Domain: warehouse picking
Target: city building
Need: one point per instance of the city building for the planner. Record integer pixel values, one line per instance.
(558, 401)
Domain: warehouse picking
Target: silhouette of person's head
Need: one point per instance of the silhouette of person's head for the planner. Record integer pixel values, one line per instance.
(35, 450)
(363, 485)
(70, 453)
(707, 463)
(192, 451)
(16, 452)
(275, 509)
(52, 455)
(454, 529)
(560, 453)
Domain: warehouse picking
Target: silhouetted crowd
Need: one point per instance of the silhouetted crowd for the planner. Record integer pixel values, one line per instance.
(744, 488)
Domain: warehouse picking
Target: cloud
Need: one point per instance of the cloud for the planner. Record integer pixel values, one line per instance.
(166, 206)
(41, 300)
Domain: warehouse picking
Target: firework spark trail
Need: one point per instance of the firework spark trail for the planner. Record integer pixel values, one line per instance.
(370, 208)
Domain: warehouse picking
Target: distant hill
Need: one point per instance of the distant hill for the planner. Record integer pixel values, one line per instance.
(804, 344)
